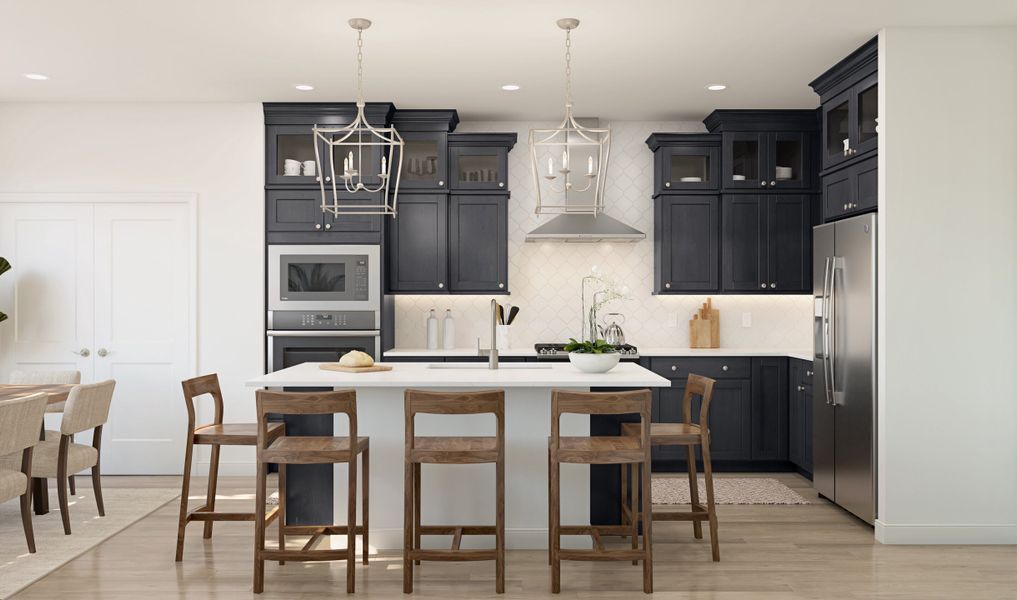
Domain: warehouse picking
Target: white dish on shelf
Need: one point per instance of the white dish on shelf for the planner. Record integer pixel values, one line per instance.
(690, 179)
(738, 177)
(783, 172)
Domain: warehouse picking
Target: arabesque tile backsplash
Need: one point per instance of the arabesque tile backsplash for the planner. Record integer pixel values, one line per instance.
(545, 278)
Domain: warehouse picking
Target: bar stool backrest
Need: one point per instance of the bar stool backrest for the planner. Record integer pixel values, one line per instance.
(199, 386)
(454, 403)
(601, 403)
(697, 385)
(305, 403)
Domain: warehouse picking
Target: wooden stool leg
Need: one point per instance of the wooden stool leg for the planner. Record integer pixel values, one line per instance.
(647, 522)
(634, 503)
(366, 499)
(624, 495)
(407, 527)
(185, 489)
(213, 480)
(259, 528)
(697, 526)
(281, 515)
(499, 538)
(550, 502)
(710, 506)
(351, 523)
(416, 506)
(555, 526)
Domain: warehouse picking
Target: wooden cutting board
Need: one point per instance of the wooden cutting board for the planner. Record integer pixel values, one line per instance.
(338, 367)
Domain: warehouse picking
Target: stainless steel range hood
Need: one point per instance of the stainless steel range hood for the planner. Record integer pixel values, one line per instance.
(585, 228)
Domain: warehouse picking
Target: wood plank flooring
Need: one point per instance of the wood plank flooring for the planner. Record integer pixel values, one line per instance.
(767, 552)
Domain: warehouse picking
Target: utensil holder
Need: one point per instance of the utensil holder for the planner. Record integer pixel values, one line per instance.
(501, 337)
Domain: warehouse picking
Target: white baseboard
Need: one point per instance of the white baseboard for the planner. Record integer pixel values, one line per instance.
(889, 533)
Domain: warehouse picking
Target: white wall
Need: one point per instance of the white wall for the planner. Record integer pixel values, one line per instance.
(213, 150)
(545, 278)
(948, 244)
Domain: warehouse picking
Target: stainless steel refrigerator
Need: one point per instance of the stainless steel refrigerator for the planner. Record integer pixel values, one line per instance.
(844, 409)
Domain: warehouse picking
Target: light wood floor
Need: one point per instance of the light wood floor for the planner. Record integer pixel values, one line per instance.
(767, 552)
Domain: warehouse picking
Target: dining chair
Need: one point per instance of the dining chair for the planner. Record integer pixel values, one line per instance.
(48, 378)
(87, 408)
(20, 419)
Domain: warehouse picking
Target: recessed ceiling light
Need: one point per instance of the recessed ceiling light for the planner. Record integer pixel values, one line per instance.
(37, 76)
(303, 87)
(716, 87)
(510, 87)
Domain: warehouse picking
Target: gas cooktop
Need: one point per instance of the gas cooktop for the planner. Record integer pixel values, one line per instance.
(627, 350)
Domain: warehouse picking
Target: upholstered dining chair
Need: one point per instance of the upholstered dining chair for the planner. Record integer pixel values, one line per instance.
(20, 420)
(47, 378)
(55, 457)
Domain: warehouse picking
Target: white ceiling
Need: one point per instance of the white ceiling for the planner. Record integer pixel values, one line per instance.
(635, 59)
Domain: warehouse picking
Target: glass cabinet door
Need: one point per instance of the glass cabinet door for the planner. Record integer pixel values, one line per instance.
(789, 160)
(744, 160)
(866, 99)
(479, 168)
(289, 150)
(688, 167)
(836, 130)
(424, 160)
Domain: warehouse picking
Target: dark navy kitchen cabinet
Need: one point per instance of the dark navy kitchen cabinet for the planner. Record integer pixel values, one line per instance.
(764, 150)
(769, 408)
(800, 414)
(745, 159)
(852, 190)
(295, 215)
(849, 93)
(686, 242)
(478, 243)
(425, 147)
(479, 161)
(766, 243)
(417, 241)
(685, 162)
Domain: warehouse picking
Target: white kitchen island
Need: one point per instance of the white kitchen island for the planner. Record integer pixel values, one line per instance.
(464, 494)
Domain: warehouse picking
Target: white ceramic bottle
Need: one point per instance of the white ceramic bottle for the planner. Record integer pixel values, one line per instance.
(448, 331)
(432, 330)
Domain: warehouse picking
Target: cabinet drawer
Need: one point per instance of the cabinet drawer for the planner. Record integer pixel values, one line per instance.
(713, 367)
(851, 190)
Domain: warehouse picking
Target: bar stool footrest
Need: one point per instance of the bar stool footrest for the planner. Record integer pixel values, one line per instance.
(453, 555)
(302, 556)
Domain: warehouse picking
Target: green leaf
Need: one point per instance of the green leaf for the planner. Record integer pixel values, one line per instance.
(4, 265)
(3, 317)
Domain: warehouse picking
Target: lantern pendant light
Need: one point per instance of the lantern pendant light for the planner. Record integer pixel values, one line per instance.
(358, 145)
(569, 161)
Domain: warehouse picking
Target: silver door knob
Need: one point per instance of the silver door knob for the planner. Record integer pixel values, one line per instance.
(102, 352)
(773, 183)
(773, 286)
(724, 368)
(762, 285)
(328, 226)
(668, 285)
(83, 352)
(501, 286)
(667, 184)
(762, 183)
(674, 367)
(441, 183)
(317, 225)
(441, 285)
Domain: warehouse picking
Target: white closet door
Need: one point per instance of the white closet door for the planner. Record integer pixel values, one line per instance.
(47, 294)
(142, 304)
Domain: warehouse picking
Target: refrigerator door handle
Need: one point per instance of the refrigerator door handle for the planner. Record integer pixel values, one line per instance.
(824, 324)
(835, 264)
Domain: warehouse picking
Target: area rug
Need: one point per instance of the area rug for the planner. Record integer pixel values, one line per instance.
(727, 490)
(124, 506)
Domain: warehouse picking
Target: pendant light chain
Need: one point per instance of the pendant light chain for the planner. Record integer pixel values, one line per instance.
(568, 67)
(360, 67)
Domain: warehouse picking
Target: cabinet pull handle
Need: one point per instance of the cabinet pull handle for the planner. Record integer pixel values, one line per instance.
(317, 225)
(674, 367)
(762, 183)
(328, 226)
(668, 285)
(667, 184)
(808, 373)
(724, 368)
(762, 285)
(328, 179)
(501, 286)
(441, 285)
(773, 286)
(845, 207)
(773, 183)
(441, 183)
(801, 388)
(501, 184)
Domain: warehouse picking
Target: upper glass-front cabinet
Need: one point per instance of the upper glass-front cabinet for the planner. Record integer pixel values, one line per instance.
(851, 122)
(289, 150)
(685, 162)
(789, 155)
(766, 160)
(479, 168)
(424, 160)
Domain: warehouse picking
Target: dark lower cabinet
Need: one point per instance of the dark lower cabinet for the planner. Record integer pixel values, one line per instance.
(769, 408)
(417, 244)
(766, 243)
(800, 414)
(687, 243)
(478, 243)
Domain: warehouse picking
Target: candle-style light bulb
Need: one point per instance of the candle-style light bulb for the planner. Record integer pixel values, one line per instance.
(589, 166)
(564, 160)
(383, 164)
(351, 158)
(346, 165)
(550, 166)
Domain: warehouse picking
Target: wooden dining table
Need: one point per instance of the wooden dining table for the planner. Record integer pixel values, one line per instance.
(55, 393)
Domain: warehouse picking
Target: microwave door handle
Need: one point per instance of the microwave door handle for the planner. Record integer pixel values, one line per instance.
(322, 333)
(824, 326)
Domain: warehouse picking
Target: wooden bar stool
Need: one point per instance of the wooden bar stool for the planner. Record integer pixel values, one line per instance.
(449, 450)
(686, 434)
(623, 450)
(285, 450)
(214, 434)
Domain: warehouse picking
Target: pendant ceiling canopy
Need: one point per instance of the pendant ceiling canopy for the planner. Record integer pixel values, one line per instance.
(358, 158)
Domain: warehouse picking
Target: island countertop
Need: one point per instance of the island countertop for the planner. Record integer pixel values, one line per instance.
(455, 375)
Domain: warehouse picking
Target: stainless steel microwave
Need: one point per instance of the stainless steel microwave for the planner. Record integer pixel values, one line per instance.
(324, 277)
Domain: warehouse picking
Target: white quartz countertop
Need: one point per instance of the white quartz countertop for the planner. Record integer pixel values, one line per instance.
(799, 353)
(472, 375)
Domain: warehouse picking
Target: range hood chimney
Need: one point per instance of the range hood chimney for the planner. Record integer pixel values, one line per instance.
(583, 226)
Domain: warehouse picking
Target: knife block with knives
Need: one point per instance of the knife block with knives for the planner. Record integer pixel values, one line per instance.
(704, 327)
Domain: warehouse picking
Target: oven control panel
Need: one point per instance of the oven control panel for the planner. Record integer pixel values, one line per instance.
(322, 320)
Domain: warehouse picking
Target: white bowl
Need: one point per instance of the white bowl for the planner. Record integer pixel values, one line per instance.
(594, 363)
(691, 179)
(738, 178)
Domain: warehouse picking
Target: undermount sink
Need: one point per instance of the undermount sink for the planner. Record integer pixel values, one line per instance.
(484, 366)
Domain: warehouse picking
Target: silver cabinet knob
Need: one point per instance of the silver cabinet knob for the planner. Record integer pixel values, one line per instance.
(83, 352)
(801, 388)
(762, 183)
(773, 183)
(441, 183)
(667, 184)
(317, 225)
(501, 286)
(102, 352)
(328, 226)
(501, 184)
(773, 286)
(674, 367)
(317, 178)
(668, 285)
(724, 368)
(441, 285)
(762, 285)
(328, 179)
(808, 373)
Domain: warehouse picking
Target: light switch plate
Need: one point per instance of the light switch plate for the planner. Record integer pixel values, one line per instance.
(746, 319)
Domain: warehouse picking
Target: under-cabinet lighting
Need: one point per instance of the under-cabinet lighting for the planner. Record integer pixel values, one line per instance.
(510, 87)
(36, 76)
(303, 87)
(716, 87)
